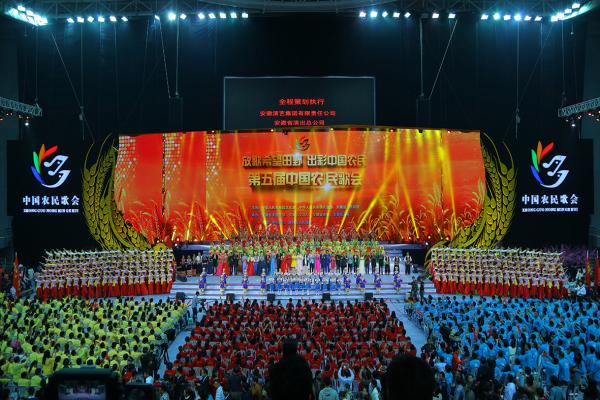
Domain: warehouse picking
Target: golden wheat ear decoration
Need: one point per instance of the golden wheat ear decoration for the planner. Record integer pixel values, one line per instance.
(498, 208)
(105, 222)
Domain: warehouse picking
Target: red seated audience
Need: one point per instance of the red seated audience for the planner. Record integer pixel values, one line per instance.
(249, 336)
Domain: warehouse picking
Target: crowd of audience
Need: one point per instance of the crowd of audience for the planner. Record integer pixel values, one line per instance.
(494, 348)
(38, 338)
(235, 346)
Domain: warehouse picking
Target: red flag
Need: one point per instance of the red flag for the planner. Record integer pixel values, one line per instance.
(587, 269)
(17, 277)
(596, 272)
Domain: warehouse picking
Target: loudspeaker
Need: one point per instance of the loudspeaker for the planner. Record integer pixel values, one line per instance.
(180, 296)
(369, 296)
(230, 296)
(326, 296)
(170, 333)
(271, 297)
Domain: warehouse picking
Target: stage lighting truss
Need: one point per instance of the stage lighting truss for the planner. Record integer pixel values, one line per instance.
(13, 108)
(575, 112)
(22, 13)
(226, 10)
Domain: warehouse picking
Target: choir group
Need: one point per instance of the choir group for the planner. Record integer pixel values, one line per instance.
(498, 272)
(302, 257)
(112, 273)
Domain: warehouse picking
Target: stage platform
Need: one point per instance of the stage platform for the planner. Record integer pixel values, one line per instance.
(234, 286)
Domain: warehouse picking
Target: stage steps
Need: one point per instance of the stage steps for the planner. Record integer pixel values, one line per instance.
(212, 292)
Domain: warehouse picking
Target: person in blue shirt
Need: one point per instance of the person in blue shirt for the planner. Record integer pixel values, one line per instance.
(551, 367)
(564, 369)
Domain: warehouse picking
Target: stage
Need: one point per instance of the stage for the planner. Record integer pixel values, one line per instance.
(234, 286)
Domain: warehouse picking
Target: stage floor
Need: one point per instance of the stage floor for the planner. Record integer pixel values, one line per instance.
(234, 286)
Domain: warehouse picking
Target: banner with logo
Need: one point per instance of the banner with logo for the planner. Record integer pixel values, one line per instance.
(45, 198)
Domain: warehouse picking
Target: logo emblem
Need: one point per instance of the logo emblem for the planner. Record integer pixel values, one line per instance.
(302, 144)
(549, 169)
(53, 167)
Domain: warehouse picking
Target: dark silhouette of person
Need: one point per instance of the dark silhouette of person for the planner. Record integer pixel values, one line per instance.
(408, 377)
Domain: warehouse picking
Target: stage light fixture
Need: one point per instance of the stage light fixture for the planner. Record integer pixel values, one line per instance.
(112, 18)
(496, 16)
(451, 16)
(362, 14)
(233, 15)
(484, 17)
(80, 20)
(70, 20)
(384, 14)
(554, 18)
(90, 19)
(575, 6)
(560, 15)
(435, 15)
(407, 15)
(568, 11)
(27, 123)
(157, 17)
(222, 15)
(373, 14)
(396, 14)
(101, 19)
(172, 16)
(518, 17)
(21, 8)
(201, 16)
(537, 18)
(507, 17)
(182, 16)
(124, 18)
(528, 18)
(245, 15)
(212, 15)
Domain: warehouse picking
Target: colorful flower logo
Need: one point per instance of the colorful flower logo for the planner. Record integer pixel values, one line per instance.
(54, 166)
(551, 168)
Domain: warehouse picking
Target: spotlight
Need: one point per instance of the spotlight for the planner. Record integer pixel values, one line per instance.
(70, 20)
(201, 16)
(362, 14)
(528, 18)
(172, 16)
(496, 16)
(451, 16)
(575, 6)
(156, 17)
(518, 17)
(507, 17)
(384, 14)
(182, 16)
(568, 11)
(396, 14)
(537, 18)
(124, 18)
(27, 123)
(573, 125)
(80, 20)
(435, 15)
(245, 15)
(560, 15)
(222, 15)
(21, 8)
(112, 18)
(373, 14)
(233, 15)
(90, 19)
(554, 18)
(484, 17)
(407, 15)
(101, 19)
(212, 15)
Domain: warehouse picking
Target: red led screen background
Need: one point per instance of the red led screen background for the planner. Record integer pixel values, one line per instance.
(392, 184)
